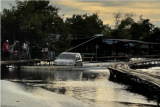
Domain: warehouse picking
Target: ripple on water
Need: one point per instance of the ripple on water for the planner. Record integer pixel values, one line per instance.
(152, 70)
(101, 93)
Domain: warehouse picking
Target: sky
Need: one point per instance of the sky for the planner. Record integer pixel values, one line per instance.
(149, 9)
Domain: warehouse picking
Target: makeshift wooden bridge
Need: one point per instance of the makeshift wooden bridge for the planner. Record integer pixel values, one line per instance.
(27, 62)
(125, 72)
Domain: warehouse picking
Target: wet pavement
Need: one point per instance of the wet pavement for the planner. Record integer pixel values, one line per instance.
(90, 87)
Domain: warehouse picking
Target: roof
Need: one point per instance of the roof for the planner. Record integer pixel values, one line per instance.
(155, 37)
(128, 40)
(116, 39)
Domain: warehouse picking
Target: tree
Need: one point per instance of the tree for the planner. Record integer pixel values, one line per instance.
(155, 29)
(37, 18)
(64, 41)
(135, 31)
(85, 26)
(77, 25)
(107, 31)
(34, 21)
(141, 29)
(94, 25)
(123, 25)
(8, 24)
(117, 17)
(128, 28)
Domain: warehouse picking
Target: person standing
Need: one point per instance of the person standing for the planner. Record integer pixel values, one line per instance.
(34, 50)
(17, 46)
(52, 51)
(47, 51)
(26, 49)
(6, 49)
(11, 50)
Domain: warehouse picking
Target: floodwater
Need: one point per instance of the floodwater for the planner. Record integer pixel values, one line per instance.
(152, 70)
(91, 86)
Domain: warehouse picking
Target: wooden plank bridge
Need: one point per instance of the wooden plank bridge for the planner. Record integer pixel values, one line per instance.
(26, 62)
(105, 58)
(126, 73)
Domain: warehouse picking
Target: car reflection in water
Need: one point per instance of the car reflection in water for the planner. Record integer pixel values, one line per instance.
(69, 59)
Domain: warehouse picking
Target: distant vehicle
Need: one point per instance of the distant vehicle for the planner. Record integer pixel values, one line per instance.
(69, 59)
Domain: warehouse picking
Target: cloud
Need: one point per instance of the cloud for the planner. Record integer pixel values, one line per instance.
(148, 9)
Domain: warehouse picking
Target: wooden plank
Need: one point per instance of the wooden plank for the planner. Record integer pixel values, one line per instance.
(142, 75)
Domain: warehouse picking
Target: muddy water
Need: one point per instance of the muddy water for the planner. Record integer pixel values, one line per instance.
(90, 87)
(152, 70)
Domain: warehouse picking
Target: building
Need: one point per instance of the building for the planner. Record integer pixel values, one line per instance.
(101, 47)
(154, 38)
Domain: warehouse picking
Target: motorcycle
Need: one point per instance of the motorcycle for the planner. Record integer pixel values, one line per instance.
(16, 55)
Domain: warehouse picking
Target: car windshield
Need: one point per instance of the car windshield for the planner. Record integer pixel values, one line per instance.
(66, 56)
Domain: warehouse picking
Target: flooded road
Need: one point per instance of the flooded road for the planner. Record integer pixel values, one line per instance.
(91, 86)
(152, 70)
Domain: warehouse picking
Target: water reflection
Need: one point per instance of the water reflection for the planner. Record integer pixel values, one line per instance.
(97, 91)
(40, 73)
(100, 93)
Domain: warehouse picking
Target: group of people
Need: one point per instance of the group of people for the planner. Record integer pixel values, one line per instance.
(24, 50)
(48, 51)
(8, 50)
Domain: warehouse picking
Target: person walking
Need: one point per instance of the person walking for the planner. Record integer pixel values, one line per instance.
(6, 50)
(52, 49)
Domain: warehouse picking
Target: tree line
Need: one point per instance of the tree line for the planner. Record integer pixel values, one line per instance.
(39, 22)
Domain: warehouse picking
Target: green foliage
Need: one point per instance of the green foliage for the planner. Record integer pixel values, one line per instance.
(29, 20)
(107, 31)
(141, 29)
(85, 26)
(129, 29)
(135, 30)
(35, 21)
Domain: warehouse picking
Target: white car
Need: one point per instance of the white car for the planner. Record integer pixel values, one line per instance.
(69, 59)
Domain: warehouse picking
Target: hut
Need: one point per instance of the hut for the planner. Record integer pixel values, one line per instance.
(155, 40)
(100, 47)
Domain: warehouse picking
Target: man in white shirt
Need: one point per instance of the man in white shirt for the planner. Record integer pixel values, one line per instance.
(26, 49)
